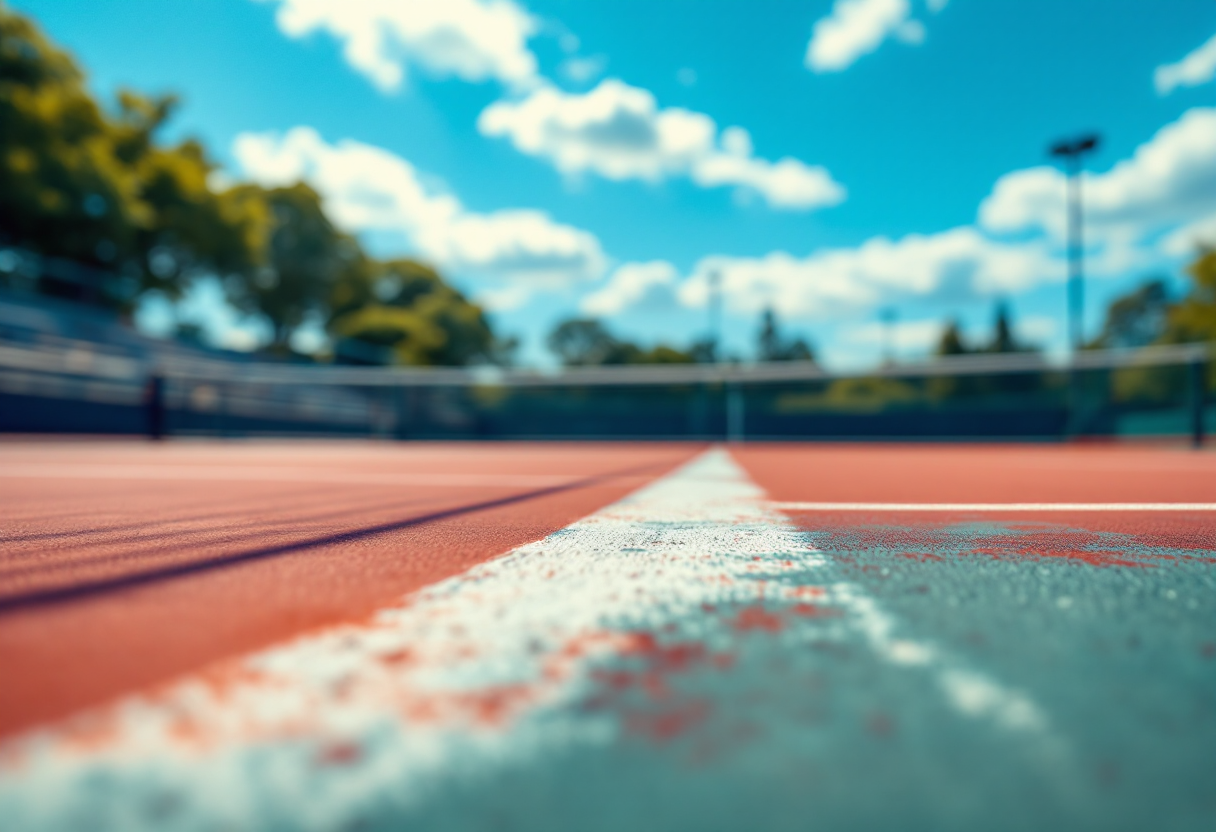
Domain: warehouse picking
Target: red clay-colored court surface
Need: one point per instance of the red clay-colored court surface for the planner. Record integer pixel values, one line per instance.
(124, 564)
(955, 636)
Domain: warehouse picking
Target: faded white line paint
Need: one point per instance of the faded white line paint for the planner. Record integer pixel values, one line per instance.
(996, 506)
(970, 692)
(468, 676)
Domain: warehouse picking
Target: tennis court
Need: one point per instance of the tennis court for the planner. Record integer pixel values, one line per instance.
(363, 635)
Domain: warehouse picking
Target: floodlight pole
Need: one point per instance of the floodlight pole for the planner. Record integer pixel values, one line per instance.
(1072, 151)
(1076, 256)
(889, 318)
(733, 397)
(715, 316)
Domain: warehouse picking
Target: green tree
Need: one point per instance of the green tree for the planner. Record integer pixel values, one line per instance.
(100, 189)
(1146, 315)
(662, 354)
(63, 189)
(584, 341)
(1137, 318)
(587, 342)
(302, 258)
(771, 345)
(405, 310)
(1189, 320)
(97, 189)
(190, 228)
(1194, 317)
(869, 394)
(1002, 331)
(951, 340)
(947, 387)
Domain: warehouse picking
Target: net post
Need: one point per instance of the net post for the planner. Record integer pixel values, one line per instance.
(396, 404)
(734, 413)
(1072, 400)
(154, 406)
(1198, 372)
(217, 415)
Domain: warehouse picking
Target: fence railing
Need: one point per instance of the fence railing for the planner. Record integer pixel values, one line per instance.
(84, 387)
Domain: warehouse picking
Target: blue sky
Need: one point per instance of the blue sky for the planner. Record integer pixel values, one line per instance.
(832, 159)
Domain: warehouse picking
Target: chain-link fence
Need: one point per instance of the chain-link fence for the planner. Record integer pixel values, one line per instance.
(85, 388)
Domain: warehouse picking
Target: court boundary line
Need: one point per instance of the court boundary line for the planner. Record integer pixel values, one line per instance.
(708, 505)
(810, 506)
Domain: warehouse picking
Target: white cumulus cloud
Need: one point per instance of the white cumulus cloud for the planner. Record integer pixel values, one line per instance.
(619, 132)
(1036, 330)
(614, 130)
(627, 286)
(583, 70)
(960, 263)
(905, 336)
(1170, 179)
(858, 27)
(367, 188)
(1197, 67)
(474, 40)
(1190, 238)
(1157, 204)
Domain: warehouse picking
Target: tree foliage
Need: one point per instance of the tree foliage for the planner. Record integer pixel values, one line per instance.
(868, 394)
(1194, 317)
(97, 187)
(1002, 340)
(405, 308)
(587, 342)
(1146, 315)
(300, 258)
(772, 345)
(1137, 318)
(951, 340)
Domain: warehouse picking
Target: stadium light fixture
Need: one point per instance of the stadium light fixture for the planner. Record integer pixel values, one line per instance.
(1072, 152)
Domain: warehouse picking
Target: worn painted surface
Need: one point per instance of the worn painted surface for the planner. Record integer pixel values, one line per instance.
(691, 658)
(122, 565)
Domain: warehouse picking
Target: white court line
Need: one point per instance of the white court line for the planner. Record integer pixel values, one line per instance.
(476, 674)
(995, 506)
(257, 473)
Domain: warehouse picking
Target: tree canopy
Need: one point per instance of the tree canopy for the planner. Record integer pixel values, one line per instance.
(405, 308)
(586, 341)
(1194, 317)
(1002, 340)
(97, 188)
(132, 214)
(772, 345)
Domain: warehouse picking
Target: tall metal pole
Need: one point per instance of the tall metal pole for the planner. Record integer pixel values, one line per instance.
(713, 307)
(1199, 388)
(734, 397)
(1076, 265)
(1072, 152)
(889, 318)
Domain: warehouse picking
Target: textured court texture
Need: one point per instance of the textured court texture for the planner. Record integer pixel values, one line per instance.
(358, 636)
